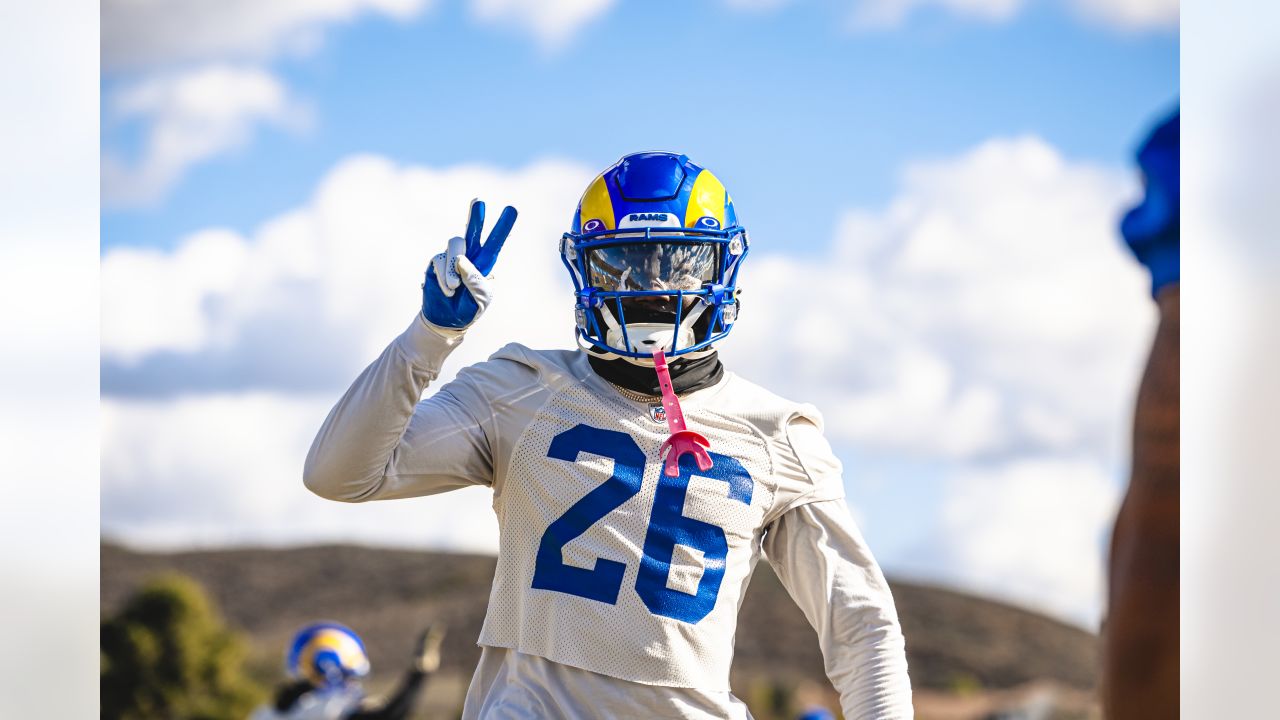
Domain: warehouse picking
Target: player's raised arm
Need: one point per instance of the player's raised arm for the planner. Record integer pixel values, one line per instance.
(362, 451)
(1140, 640)
(828, 569)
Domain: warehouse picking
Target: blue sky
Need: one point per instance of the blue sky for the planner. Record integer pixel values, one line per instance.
(931, 204)
(803, 114)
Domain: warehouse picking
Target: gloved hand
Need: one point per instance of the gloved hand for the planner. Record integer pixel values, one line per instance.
(1152, 228)
(426, 654)
(458, 286)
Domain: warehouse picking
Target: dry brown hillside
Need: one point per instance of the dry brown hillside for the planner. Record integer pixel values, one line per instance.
(955, 642)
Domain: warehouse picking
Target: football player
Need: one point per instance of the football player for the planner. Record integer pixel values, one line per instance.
(326, 662)
(630, 522)
(1140, 639)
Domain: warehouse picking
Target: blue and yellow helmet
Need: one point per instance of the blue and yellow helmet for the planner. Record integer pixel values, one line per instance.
(654, 253)
(326, 654)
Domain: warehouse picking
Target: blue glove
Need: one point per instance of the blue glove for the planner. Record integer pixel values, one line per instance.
(1152, 228)
(458, 287)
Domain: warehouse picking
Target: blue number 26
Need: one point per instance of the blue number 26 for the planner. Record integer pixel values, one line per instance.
(668, 527)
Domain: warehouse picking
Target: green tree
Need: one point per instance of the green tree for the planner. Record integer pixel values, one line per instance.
(168, 656)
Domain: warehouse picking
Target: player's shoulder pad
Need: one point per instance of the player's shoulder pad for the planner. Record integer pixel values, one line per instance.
(769, 412)
(553, 368)
(807, 467)
(812, 451)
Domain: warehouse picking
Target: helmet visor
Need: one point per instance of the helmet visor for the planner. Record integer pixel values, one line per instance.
(653, 266)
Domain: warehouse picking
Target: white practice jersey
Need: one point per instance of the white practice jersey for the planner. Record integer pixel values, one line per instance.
(606, 564)
(333, 703)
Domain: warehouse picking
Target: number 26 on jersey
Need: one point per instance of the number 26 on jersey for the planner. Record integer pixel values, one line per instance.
(668, 527)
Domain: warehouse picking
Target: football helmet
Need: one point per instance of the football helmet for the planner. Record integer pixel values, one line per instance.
(326, 654)
(654, 253)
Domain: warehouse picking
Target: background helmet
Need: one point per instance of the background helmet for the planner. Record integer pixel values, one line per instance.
(654, 253)
(326, 654)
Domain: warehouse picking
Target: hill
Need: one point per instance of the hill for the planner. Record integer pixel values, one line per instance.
(955, 642)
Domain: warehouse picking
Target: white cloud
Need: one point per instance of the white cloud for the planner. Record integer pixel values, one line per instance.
(160, 33)
(140, 34)
(1030, 531)
(868, 15)
(986, 319)
(168, 290)
(987, 310)
(191, 102)
(199, 87)
(317, 291)
(888, 14)
(203, 89)
(227, 469)
(884, 14)
(190, 117)
(1131, 14)
(756, 5)
(552, 22)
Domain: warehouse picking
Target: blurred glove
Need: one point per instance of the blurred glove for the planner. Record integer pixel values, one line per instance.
(426, 655)
(1152, 228)
(458, 284)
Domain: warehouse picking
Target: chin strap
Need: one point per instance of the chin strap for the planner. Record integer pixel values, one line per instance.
(683, 440)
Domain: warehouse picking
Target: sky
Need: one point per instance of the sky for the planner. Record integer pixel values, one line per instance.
(931, 186)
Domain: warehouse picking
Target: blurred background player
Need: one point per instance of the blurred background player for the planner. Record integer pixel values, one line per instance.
(1140, 640)
(327, 662)
(619, 578)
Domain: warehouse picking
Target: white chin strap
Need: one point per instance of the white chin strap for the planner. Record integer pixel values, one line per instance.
(648, 337)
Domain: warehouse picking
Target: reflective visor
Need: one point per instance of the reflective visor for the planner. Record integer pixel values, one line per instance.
(653, 266)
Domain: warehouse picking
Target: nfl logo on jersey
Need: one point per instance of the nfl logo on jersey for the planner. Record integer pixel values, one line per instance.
(658, 414)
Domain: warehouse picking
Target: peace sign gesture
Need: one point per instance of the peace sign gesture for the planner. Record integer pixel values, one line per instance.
(458, 286)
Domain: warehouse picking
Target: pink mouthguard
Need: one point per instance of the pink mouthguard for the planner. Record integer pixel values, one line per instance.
(682, 440)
